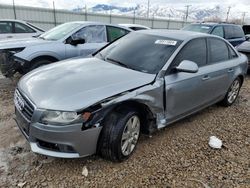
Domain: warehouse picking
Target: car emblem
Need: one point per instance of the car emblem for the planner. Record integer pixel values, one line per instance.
(18, 100)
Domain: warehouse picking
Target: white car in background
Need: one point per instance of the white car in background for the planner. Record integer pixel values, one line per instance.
(135, 27)
(69, 40)
(18, 29)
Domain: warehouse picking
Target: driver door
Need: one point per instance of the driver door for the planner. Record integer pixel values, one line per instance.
(187, 92)
(95, 38)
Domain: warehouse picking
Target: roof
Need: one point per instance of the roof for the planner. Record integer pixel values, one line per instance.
(13, 20)
(174, 34)
(98, 23)
(134, 25)
(213, 23)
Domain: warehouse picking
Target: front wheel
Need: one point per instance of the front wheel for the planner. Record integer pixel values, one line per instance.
(121, 131)
(232, 93)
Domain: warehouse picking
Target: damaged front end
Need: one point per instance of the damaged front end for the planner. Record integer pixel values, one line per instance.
(9, 63)
(147, 99)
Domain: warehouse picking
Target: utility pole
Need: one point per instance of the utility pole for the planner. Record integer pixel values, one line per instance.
(228, 11)
(187, 6)
(148, 8)
(243, 17)
(14, 9)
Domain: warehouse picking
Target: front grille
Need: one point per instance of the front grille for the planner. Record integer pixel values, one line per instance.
(27, 108)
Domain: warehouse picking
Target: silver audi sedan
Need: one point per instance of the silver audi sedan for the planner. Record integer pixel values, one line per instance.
(137, 84)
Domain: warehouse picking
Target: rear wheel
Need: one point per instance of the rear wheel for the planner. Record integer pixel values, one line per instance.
(232, 93)
(121, 131)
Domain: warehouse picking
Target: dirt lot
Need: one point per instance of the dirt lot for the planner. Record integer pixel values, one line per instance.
(178, 156)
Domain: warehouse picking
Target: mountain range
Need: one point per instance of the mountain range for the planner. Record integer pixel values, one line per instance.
(159, 11)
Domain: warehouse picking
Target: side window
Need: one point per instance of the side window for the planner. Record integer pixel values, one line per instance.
(229, 33)
(195, 50)
(91, 34)
(218, 30)
(238, 32)
(21, 28)
(218, 50)
(5, 27)
(115, 32)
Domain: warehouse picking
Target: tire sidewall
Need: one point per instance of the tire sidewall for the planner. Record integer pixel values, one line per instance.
(120, 128)
(226, 98)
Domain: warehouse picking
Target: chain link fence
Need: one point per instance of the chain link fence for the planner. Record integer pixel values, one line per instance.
(48, 18)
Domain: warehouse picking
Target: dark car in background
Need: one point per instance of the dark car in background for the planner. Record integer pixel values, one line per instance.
(231, 32)
(245, 49)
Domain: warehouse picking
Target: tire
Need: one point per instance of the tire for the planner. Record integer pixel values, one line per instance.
(40, 63)
(232, 93)
(117, 135)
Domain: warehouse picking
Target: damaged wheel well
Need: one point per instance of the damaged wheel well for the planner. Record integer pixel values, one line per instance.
(45, 57)
(146, 116)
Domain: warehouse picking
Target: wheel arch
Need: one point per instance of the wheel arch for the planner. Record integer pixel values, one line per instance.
(44, 57)
(146, 115)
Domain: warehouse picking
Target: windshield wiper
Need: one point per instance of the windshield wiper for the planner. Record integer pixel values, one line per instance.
(117, 62)
(121, 64)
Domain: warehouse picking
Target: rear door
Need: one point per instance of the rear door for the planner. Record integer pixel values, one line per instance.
(234, 34)
(187, 92)
(220, 67)
(6, 30)
(95, 38)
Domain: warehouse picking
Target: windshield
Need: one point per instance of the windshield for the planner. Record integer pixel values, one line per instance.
(198, 28)
(141, 52)
(60, 31)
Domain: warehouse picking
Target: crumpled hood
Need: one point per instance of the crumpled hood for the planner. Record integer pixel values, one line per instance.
(77, 84)
(20, 43)
(244, 47)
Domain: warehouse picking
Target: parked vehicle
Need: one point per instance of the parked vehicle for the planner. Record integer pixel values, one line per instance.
(138, 84)
(246, 29)
(245, 49)
(231, 32)
(18, 29)
(135, 27)
(62, 42)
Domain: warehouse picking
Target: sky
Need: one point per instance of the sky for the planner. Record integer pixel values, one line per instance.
(238, 6)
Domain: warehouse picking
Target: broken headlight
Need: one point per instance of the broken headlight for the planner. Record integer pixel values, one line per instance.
(60, 117)
(15, 50)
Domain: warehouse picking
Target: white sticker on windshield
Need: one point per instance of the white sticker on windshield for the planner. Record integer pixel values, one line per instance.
(205, 27)
(166, 42)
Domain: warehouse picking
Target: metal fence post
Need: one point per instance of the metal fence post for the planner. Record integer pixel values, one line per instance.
(54, 11)
(14, 9)
(134, 17)
(110, 16)
(86, 13)
(153, 21)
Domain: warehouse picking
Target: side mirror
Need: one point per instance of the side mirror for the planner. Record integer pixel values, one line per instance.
(247, 37)
(75, 42)
(187, 66)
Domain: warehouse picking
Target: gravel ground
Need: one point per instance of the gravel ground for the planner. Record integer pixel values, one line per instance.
(178, 156)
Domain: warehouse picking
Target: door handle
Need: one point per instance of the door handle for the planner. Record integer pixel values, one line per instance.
(230, 70)
(9, 37)
(206, 78)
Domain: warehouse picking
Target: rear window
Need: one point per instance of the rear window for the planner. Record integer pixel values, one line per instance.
(233, 32)
(218, 50)
(198, 28)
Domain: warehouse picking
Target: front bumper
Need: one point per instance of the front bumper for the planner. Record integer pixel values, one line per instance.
(58, 141)
(8, 66)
